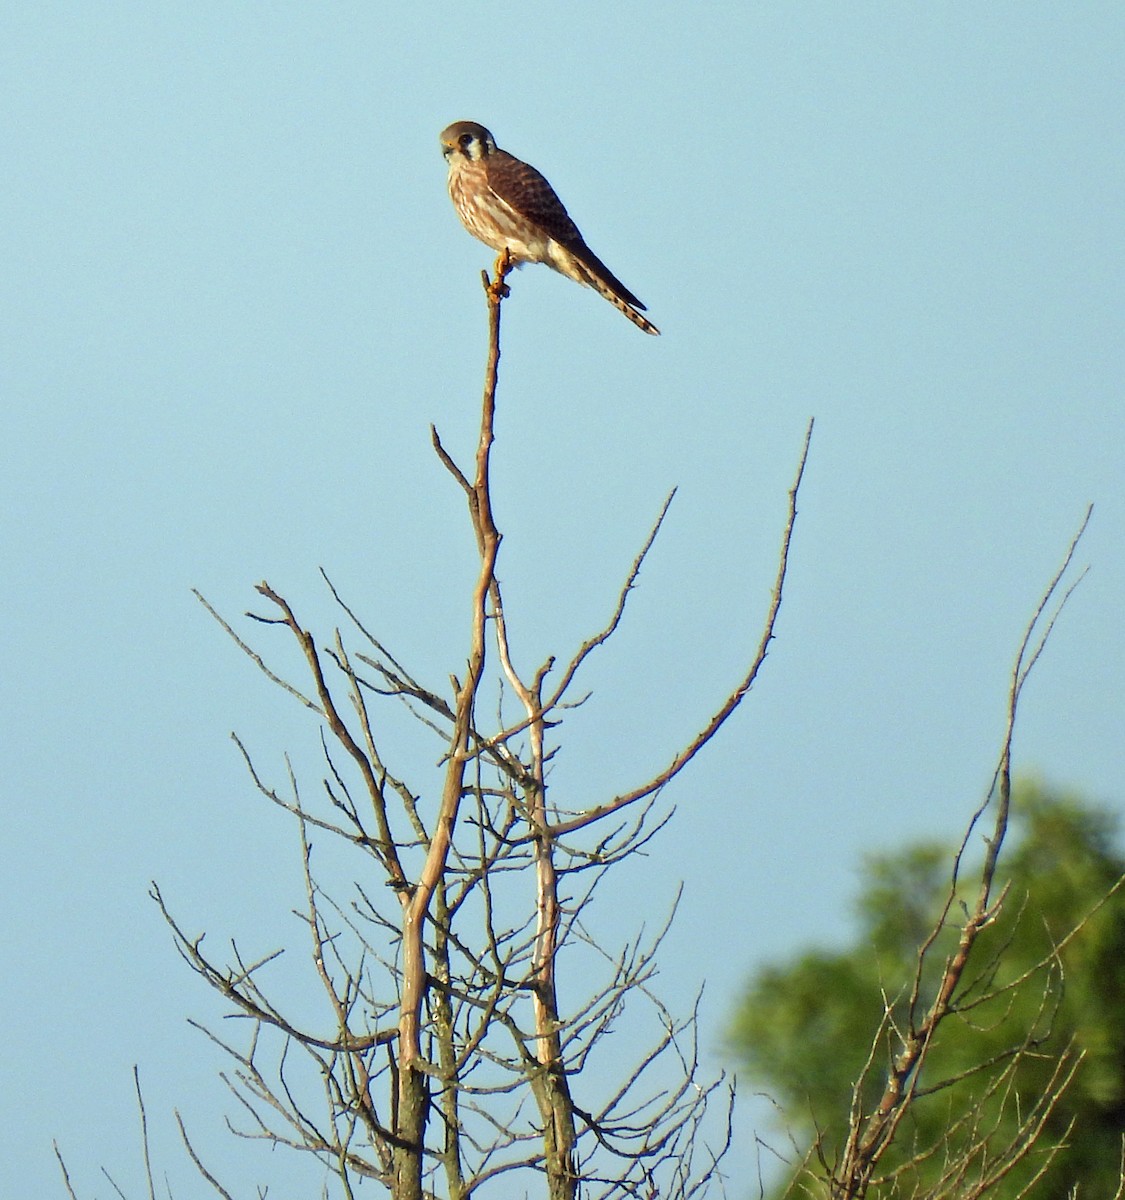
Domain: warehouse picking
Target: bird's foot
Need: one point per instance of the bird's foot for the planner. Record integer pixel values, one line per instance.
(496, 287)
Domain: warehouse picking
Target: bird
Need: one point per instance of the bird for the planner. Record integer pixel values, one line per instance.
(509, 205)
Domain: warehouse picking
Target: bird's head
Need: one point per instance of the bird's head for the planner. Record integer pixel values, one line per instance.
(467, 140)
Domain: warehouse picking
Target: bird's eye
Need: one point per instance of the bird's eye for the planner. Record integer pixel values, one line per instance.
(466, 140)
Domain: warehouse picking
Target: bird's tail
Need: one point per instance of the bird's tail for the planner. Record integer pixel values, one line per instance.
(598, 276)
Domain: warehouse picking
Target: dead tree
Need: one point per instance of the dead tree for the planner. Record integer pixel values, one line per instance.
(448, 1059)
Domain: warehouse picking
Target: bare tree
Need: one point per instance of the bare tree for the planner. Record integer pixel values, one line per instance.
(993, 1136)
(463, 996)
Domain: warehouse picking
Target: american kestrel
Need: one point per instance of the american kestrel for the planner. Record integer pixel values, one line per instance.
(509, 205)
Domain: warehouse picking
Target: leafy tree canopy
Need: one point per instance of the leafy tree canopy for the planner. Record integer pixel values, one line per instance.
(806, 1027)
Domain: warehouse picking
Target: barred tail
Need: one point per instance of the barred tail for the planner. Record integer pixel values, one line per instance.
(587, 268)
(622, 305)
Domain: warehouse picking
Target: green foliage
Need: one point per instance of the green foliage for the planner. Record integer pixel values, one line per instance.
(806, 1028)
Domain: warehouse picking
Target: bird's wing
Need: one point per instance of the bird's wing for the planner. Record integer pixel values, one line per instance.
(522, 188)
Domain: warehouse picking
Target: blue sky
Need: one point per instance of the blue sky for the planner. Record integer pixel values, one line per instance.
(234, 296)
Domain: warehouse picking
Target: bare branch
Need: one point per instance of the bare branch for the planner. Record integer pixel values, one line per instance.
(199, 1163)
(65, 1174)
(732, 701)
(870, 1135)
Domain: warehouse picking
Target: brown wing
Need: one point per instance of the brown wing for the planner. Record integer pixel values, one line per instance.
(523, 188)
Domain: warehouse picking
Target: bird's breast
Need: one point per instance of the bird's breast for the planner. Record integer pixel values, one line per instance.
(491, 219)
